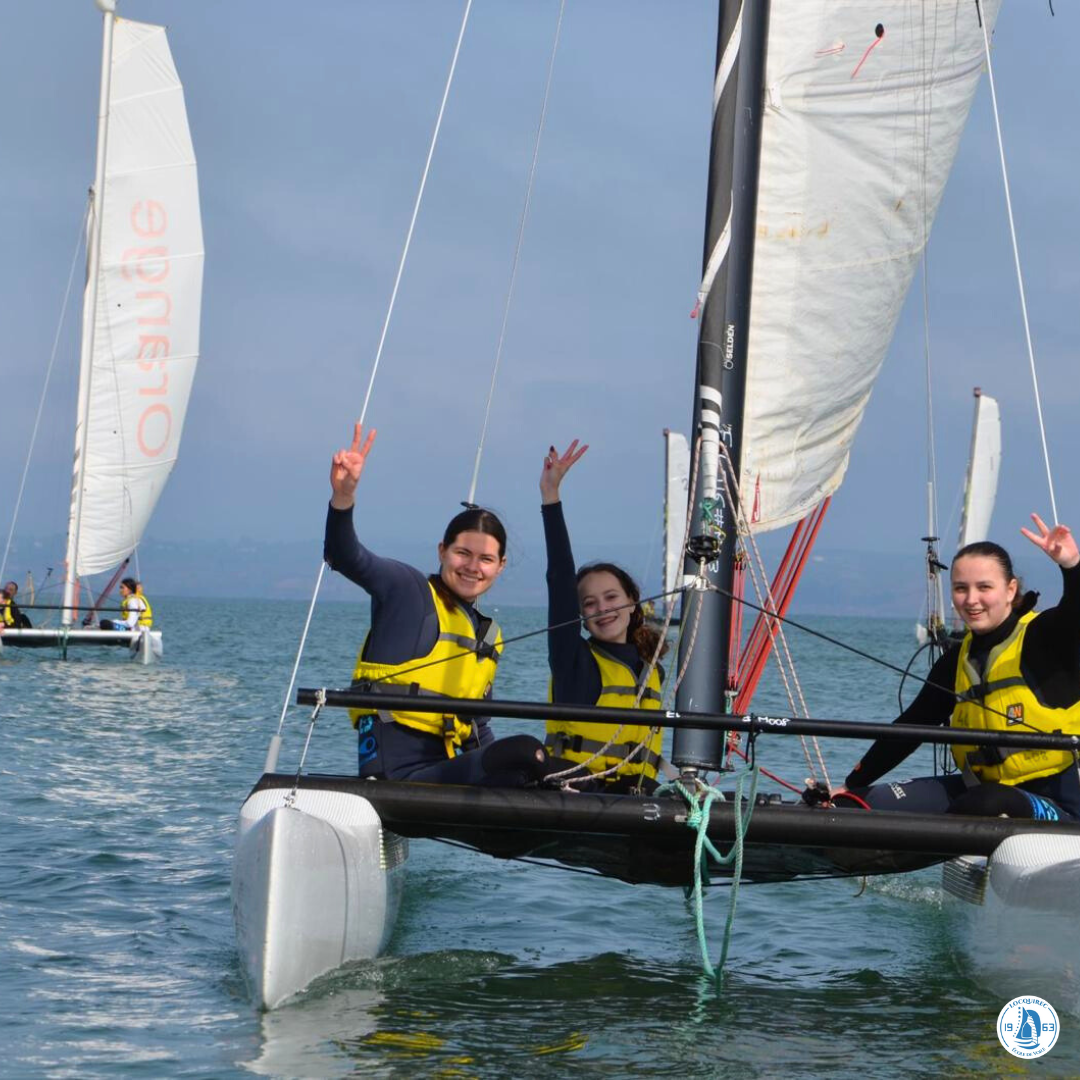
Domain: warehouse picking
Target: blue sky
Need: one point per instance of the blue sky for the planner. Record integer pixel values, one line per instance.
(311, 126)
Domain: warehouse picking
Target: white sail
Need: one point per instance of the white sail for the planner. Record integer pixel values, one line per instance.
(859, 135)
(980, 490)
(676, 496)
(145, 331)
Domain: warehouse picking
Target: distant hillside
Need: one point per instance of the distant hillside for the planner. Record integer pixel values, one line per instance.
(835, 582)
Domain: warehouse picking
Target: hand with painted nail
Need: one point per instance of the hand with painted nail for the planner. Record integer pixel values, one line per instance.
(556, 466)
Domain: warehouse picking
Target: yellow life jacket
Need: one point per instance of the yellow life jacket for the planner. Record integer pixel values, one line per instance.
(7, 618)
(458, 666)
(618, 688)
(1002, 701)
(146, 617)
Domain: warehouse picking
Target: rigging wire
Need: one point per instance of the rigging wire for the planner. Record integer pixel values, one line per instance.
(785, 662)
(517, 254)
(416, 210)
(1019, 271)
(45, 387)
(276, 740)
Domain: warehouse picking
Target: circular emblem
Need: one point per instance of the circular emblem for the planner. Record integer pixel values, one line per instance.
(1027, 1027)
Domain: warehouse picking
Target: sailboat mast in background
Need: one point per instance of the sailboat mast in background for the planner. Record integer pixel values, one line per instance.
(724, 311)
(984, 463)
(89, 323)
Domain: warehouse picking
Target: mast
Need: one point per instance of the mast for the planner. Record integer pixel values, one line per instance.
(86, 351)
(724, 305)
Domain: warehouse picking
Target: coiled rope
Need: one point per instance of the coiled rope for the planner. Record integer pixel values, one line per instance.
(700, 802)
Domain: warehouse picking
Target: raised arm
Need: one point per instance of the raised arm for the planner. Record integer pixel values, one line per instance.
(346, 467)
(556, 466)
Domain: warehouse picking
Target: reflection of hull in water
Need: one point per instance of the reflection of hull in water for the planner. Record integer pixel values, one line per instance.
(1025, 898)
(145, 645)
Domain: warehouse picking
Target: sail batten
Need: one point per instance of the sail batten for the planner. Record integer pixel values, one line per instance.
(144, 326)
(854, 161)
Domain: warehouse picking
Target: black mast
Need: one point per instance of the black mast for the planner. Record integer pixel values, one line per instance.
(731, 211)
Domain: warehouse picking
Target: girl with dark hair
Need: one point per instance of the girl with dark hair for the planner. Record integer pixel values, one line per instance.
(427, 638)
(135, 610)
(613, 666)
(1015, 670)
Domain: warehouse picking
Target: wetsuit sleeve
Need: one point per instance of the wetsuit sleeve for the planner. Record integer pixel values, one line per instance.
(574, 674)
(932, 705)
(404, 623)
(1051, 659)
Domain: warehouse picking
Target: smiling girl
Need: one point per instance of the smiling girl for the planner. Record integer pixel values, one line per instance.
(606, 668)
(427, 637)
(1015, 670)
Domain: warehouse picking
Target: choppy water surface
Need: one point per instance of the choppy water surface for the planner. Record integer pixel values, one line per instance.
(120, 792)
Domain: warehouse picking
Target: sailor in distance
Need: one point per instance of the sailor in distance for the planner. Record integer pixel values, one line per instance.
(10, 614)
(1015, 670)
(135, 610)
(605, 669)
(427, 637)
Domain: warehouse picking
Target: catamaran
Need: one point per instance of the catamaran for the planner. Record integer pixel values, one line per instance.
(140, 323)
(832, 139)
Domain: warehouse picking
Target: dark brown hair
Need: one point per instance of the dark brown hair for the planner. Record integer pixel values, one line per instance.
(130, 582)
(988, 549)
(638, 633)
(474, 519)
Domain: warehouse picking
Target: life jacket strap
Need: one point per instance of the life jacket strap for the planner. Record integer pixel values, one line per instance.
(483, 648)
(413, 690)
(559, 742)
(631, 692)
(981, 691)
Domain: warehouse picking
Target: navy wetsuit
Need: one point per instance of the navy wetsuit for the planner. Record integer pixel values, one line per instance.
(1050, 666)
(405, 626)
(575, 675)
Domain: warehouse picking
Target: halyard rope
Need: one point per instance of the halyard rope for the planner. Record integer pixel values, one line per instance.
(272, 751)
(517, 253)
(1019, 272)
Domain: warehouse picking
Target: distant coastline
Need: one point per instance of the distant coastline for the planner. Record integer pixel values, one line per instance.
(836, 582)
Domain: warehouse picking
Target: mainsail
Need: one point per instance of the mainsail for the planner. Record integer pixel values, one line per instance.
(861, 124)
(984, 462)
(141, 340)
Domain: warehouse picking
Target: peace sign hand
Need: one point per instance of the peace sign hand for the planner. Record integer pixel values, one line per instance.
(346, 467)
(556, 466)
(1058, 542)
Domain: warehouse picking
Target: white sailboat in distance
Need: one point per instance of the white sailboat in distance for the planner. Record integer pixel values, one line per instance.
(140, 324)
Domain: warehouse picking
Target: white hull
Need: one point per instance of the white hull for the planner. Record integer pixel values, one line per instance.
(315, 885)
(1021, 908)
(145, 645)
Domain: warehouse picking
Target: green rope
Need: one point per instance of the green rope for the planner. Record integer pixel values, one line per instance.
(700, 804)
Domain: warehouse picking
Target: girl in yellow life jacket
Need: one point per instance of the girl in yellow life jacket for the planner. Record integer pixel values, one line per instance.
(135, 612)
(611, 667)
(1015, 670)
(428, 638)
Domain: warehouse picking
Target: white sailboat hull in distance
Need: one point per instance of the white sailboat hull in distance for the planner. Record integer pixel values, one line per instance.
(145, 645)
(315, 885)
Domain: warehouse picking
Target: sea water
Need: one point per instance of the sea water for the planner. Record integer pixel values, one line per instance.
(121, 786)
